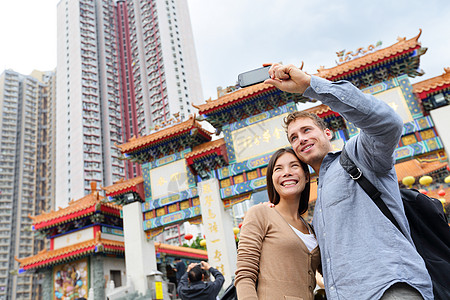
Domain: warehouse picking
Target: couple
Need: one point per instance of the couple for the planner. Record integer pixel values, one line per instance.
(362, 254)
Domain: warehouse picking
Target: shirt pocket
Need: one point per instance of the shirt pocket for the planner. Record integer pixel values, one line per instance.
(336, 187)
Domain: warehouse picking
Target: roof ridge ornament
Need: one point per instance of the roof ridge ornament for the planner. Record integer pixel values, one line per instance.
(345, 56)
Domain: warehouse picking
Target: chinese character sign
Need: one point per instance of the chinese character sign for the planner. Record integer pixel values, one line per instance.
(395, 99)
(218, 227)
(259, 138)
(169, 179)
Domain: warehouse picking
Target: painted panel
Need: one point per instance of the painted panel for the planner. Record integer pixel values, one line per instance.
(418, 148)
(409, 139)
(170, 199)
(112, 237)
(172, 218)
(417, 125)
(70, 280)
(110, 230)
(243, 187)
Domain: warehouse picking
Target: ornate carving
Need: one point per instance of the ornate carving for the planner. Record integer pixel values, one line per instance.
(349, 55)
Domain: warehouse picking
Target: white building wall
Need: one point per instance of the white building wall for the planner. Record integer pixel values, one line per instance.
(115, 264)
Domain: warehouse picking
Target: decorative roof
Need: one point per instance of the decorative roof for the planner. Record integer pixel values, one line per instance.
(123, 186)
(77, 209)
(322, 110)
(53, 257)
(181, 251)
(136, 143)
(233, 97)
(401, 47)
(377, 58)
(416, 169)
(432, 85)
(205, 149)
(205, 158)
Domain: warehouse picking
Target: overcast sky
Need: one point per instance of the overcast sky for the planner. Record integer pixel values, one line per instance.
(234, 36)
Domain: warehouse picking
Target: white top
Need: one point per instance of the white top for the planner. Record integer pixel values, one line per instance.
(308, 239)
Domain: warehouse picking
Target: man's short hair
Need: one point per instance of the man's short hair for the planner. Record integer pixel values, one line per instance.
(195, 274)
(303, 114)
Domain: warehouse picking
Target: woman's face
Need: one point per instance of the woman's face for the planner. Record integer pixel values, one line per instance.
(288, 176)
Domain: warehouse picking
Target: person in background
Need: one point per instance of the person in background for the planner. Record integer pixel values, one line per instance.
(180, 268)
(192, 285)
(278, 254)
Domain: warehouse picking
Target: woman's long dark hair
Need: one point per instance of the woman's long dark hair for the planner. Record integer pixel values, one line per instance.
(274, 197)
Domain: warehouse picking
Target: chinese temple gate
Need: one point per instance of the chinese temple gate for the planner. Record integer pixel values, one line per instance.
(191, 174)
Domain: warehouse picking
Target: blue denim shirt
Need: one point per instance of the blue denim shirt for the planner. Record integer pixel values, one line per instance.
(363, 253)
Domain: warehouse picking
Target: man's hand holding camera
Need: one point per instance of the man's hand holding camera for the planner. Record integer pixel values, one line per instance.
(203, 264)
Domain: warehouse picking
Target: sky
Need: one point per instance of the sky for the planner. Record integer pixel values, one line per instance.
(235, 36)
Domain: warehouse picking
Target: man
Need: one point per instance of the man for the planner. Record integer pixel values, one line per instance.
(180, 268)
(364, 256)
(192, 286)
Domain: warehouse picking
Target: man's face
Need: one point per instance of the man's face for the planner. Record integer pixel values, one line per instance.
(309, 142)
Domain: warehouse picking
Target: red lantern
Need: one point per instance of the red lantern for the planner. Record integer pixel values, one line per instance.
(423, 191)
(441, 193)
(188, 236)
(240, 225)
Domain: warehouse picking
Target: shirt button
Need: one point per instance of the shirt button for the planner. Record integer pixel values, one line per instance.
(310, 272)
(320, 210)
(332, 288)
(328, 260)
(324, 234)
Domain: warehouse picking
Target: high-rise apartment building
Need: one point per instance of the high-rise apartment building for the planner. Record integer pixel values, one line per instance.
(26, 170)
(123, 67)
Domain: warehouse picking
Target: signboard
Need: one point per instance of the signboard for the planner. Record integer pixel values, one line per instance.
(394, 98)
(169, 179)
(73, 238)
(259, 138)
(218, 226)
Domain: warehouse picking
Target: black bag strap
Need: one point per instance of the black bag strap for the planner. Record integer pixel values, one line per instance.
(357, 175)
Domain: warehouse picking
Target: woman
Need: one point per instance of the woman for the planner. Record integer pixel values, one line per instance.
(278, 254)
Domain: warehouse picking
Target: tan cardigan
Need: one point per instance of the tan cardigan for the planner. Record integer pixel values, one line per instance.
(272, 253)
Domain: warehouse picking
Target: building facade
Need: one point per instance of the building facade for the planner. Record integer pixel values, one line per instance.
(124, 67)
(27, 169)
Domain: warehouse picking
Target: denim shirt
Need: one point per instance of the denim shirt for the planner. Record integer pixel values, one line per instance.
(363, 253)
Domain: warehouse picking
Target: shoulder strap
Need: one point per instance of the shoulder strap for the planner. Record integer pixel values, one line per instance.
(356, 174)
